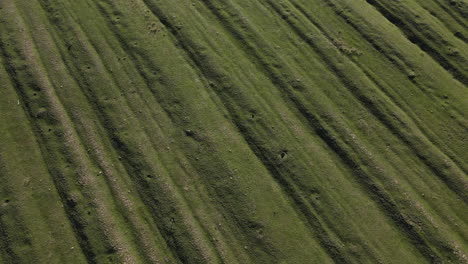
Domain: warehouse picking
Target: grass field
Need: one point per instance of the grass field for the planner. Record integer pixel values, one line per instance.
(233, 131)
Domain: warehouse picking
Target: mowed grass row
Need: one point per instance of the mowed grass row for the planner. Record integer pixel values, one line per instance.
(68, 163)
(448, 48)
(397, 192)
(32, 214)
(333, 247)
(421, 84)
(219, 131)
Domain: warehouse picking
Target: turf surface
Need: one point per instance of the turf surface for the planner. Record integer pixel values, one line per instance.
(233, 131)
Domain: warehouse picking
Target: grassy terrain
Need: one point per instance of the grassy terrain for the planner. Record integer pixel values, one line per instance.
(233, 131)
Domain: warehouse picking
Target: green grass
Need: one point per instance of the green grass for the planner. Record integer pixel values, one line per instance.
(222, 131)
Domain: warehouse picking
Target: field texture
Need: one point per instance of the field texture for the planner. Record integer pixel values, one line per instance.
(233, 131)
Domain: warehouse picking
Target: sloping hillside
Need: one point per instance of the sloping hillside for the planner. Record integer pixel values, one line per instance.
(233, 131)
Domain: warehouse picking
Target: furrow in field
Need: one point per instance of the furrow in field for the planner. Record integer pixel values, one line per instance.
(226, 131)
(72, 143)
(150, 127)
(441, 212)
(129, 119)
(191, 46)
(393, 91)
(122, 188)
(38, 198)
(390, 44)
(385, 110)
(445, 217)
(457, 174)
(456, 25)
(208, 73)
(453, 57)
(223, 173)
(451, 143)
(456, 8)
(148, 109)
(15, 75)
(397, 101)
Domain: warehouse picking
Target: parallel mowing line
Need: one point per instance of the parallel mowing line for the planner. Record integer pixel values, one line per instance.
(387, 90)
(154, 144)
(289, 186)
(116, 189)
(59, 183)
(5, 243)
(126, 256)
(77, 226)
(142, 73)
(374, 81)
(150, 108)
(79, 155)
(443, 20)
(109, 129)
(414, 150)
(147, 84)
(455, 12)
(155, 148)
(401, 65)
(42, 210)
(454, 182)
(389, 205)
(405, 140)
(314, 122)
(425, 131)
(424, 44)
